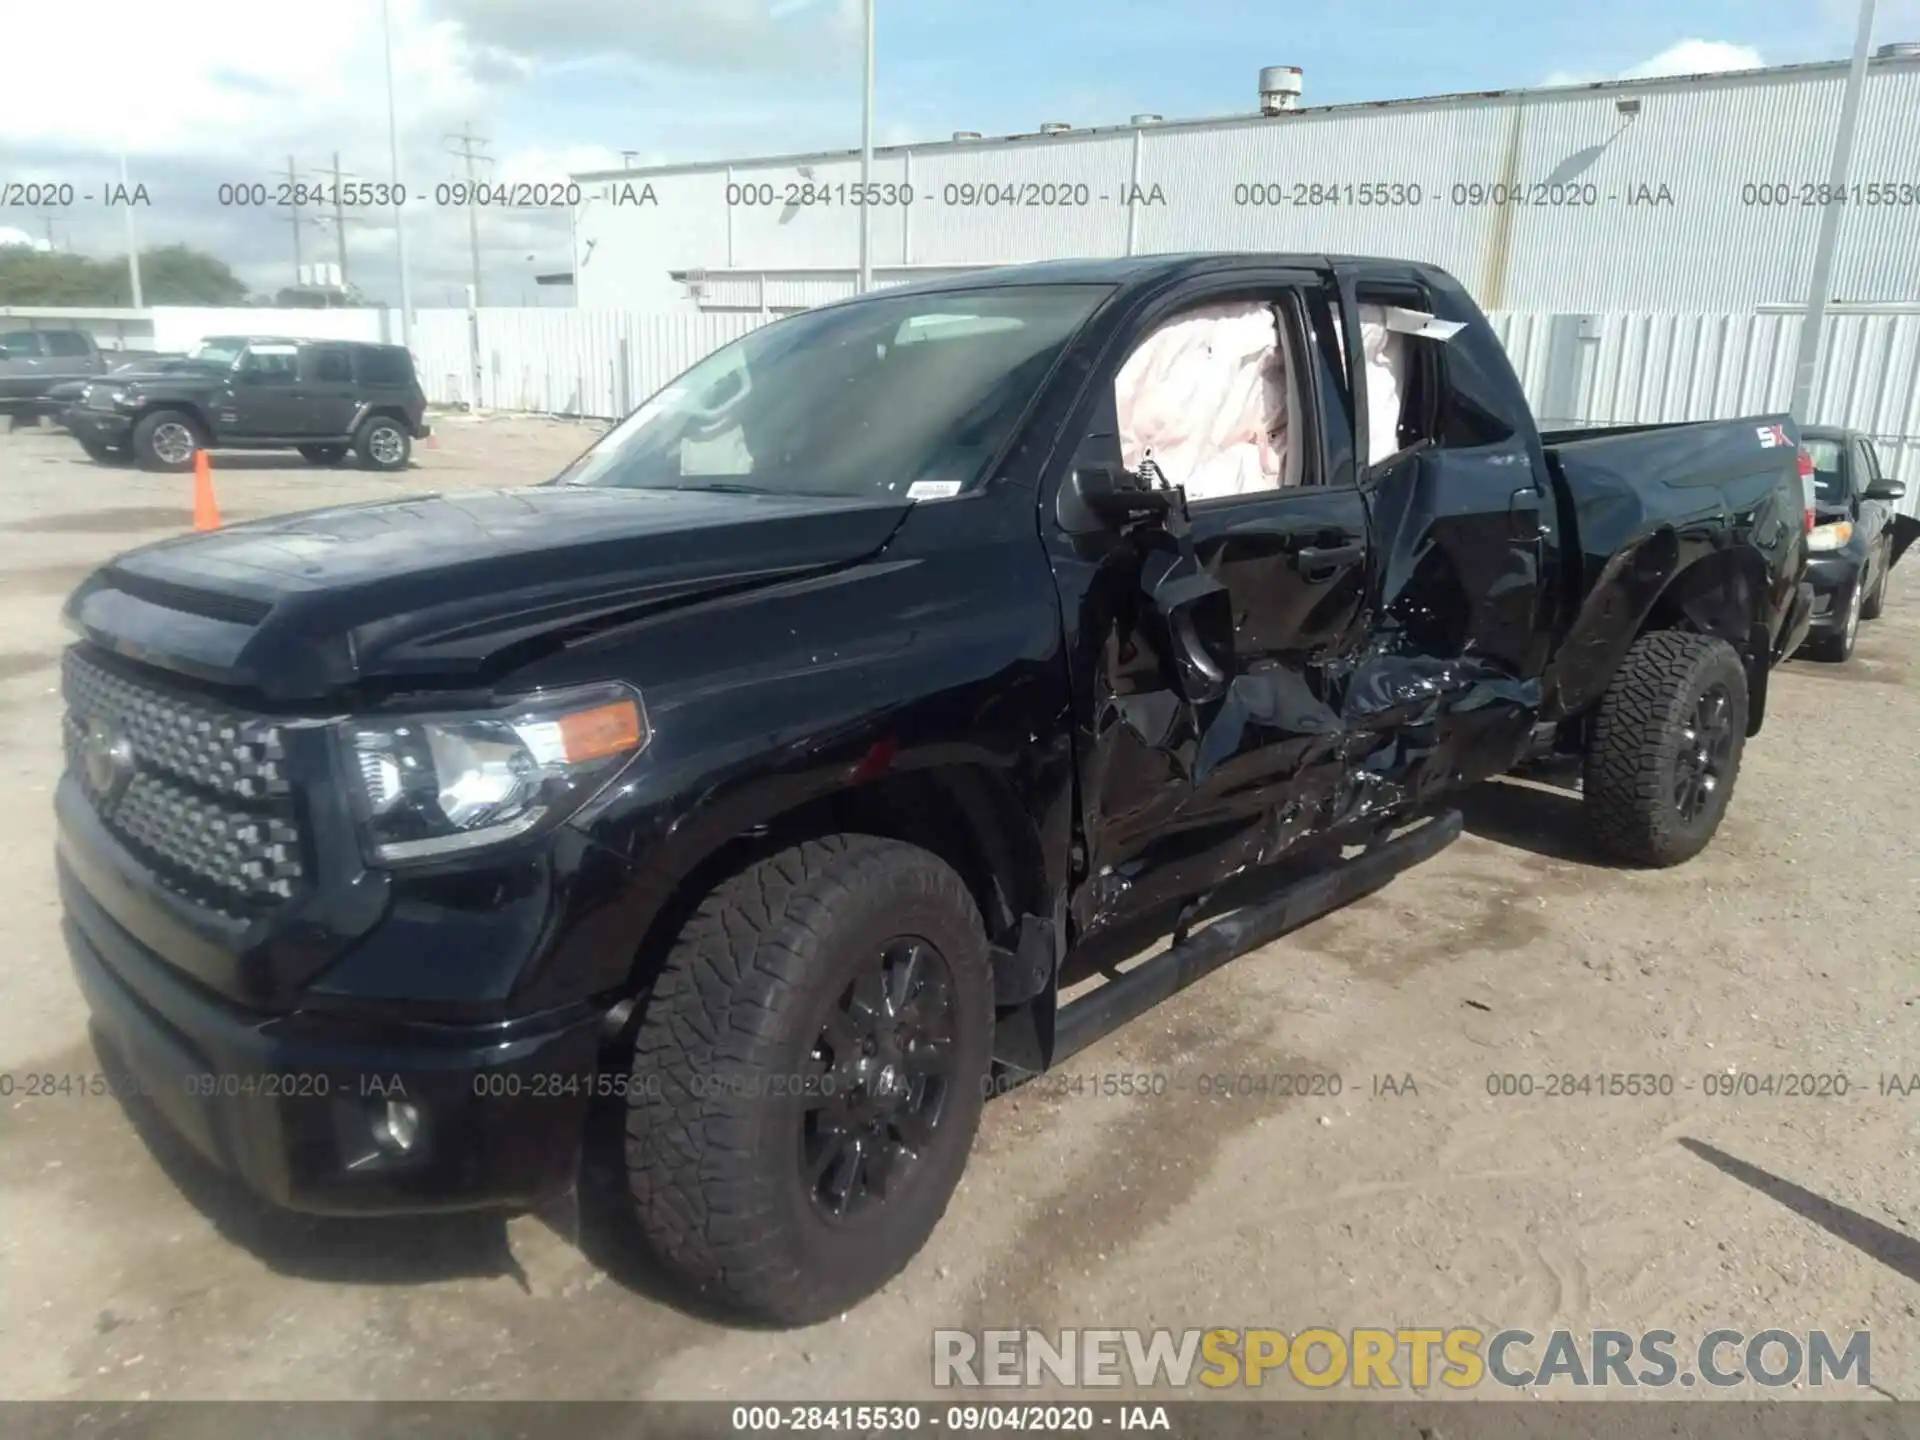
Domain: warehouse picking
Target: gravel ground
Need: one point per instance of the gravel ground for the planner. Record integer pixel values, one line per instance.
(130, 1271)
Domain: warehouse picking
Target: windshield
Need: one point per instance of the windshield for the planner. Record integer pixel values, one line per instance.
(1828, 483)
(911, 397)
(218, 349)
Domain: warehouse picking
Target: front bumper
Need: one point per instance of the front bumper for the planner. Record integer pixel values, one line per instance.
(102, 427)
(295, 1103)
(1833, 575)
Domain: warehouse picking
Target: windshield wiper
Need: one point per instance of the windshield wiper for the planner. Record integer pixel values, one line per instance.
(721, 487)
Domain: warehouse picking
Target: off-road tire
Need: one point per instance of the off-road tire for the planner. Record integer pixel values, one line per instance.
(373, 450)
(150, 425)
(323, 454)
(714, 1150)
(1876, 600)
(1639, 731)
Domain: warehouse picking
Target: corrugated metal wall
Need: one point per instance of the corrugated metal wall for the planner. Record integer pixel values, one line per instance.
(1630, 368)
(1577, 369)
(562, 362)
(1656, 209)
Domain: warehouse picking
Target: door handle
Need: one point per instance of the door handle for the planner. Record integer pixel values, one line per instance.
(1523, 514)
(1318, 562)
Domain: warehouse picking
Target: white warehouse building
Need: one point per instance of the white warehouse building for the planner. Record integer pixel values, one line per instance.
(1689, 194)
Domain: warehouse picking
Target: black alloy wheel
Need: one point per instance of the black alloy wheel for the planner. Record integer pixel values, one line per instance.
(1705, 760)
(885, 1064)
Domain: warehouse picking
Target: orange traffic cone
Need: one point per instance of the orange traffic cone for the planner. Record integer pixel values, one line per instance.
(206, 511)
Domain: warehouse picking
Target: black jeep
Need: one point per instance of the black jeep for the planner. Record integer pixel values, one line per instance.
(237, 392)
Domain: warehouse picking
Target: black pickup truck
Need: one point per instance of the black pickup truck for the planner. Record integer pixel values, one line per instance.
(770, 771)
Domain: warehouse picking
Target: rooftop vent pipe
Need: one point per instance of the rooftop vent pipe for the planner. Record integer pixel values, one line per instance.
(1279, 89)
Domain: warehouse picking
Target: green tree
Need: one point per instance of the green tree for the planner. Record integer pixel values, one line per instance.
(169, 275)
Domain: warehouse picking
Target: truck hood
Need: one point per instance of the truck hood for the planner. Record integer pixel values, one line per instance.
(446, 589)
(179, 371)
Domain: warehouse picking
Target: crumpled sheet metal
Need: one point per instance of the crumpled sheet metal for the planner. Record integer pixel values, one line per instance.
(1395, 729)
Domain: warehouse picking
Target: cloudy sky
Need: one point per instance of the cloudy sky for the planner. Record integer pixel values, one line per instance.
(200, 92)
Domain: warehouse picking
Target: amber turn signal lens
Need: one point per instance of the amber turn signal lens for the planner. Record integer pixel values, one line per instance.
(605, 730)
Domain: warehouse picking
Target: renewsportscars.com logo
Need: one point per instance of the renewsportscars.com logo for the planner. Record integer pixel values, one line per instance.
(1383, 1359)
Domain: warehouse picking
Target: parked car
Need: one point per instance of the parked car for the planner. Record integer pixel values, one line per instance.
(63, 397)
(765, 771)
(33, 362)
(323, 398)
(1857, 539)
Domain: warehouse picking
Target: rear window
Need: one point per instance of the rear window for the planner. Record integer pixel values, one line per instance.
(385, 365)
(1829, 483)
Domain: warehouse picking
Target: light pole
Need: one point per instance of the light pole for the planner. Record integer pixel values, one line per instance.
(133, 239)
(1807, 354)
(866, 166)
(393, 160)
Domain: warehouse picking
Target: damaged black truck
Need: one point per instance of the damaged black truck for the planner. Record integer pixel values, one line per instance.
(764, 777)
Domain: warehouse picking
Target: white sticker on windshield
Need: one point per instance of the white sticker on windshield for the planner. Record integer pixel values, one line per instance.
(932, 489)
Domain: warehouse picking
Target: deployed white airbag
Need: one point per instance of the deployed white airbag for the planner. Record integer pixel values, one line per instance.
(1205, 398)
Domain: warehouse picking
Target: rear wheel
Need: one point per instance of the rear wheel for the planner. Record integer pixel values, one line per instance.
(166, 440)
(1665, 748)
(383, 444)
(808, 1076)
(323, 454)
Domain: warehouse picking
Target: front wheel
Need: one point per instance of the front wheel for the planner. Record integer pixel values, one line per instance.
(1876, 600)
(166, 440)
(1665, 748)
(1838, 647)
(383, 444)
(808, 1076)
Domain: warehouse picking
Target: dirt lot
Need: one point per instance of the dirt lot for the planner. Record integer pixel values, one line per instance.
(1792, 945)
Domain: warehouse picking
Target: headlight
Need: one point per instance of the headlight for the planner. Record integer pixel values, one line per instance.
(117, 396)
(1830, 537)
(430, 785)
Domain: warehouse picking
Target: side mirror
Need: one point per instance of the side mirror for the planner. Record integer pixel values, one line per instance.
(1116, 496)
(1886, 489)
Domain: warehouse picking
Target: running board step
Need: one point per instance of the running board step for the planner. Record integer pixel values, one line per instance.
(1131, 995)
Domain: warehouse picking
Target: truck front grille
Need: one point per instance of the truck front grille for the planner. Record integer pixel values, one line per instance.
(196, 790)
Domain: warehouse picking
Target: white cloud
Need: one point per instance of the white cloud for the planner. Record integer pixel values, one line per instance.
(13, 239)
(772, 35)
(243, 80)
(1684, 57)
(1696, 57)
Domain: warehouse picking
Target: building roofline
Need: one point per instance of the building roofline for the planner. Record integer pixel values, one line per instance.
(1593, 89)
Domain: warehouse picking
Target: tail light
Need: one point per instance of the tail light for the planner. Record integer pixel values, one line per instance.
(1807, 486)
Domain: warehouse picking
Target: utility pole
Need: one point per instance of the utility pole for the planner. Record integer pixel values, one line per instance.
(470, 148)
(293, 211)
(339, 222)
(133, 240)
(864, 281)
(1806, 357)
(393, 164)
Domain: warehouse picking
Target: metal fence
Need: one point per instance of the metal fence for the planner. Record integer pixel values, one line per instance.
(597, 363)
(1577, 369)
